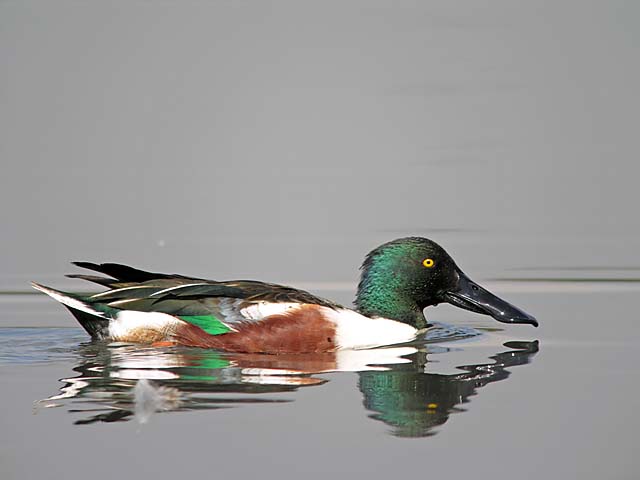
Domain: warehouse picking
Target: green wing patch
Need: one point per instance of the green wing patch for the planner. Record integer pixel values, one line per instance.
(208, 323)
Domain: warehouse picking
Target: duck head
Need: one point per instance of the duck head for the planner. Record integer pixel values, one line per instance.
(402, 277)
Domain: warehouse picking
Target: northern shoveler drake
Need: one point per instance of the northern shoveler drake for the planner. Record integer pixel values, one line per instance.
(399, 279)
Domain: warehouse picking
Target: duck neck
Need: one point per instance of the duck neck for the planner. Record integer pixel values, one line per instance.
(387, 301)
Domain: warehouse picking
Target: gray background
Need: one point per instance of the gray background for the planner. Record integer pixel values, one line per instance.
(229, 139)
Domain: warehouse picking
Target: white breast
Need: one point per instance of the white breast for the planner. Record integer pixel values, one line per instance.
(355, 331)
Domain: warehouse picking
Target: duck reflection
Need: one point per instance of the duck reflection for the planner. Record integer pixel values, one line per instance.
(120, 382)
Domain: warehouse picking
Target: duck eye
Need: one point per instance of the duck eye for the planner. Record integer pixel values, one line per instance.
(428, 262)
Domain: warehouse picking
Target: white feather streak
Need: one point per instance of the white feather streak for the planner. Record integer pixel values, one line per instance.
(108, 292)
(176, 288)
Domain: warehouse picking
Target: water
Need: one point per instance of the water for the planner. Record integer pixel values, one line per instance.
(558, 400)
(281, 141)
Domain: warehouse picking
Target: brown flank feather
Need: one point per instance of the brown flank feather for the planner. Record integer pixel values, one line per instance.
(303, 330)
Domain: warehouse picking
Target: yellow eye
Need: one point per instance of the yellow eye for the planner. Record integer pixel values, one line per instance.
(428, 262)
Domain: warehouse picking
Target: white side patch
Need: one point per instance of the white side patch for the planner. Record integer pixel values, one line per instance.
(127, 321)
(260, 310)
(355, 331)
(68, 301)
(230, 310)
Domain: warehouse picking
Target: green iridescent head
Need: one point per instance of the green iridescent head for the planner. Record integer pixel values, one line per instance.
(402, 277)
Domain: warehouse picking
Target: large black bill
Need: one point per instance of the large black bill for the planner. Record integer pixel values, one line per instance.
(471, 296)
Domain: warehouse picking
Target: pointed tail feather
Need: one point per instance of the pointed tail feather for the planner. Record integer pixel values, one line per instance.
(95, 322)
(123, 273)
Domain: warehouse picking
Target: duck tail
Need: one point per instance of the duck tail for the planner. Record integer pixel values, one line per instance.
(95, 322)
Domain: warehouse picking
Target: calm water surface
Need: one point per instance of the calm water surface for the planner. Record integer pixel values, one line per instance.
(512, 399)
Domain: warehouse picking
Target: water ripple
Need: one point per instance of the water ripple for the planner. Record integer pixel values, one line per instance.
(26, 346)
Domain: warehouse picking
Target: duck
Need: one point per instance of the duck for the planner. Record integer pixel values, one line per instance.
(398, 280)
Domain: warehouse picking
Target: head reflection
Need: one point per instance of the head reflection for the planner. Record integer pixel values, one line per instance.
(413, 402)
(118, 383)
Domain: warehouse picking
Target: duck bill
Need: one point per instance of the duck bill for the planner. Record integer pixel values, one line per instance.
(471, 296)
